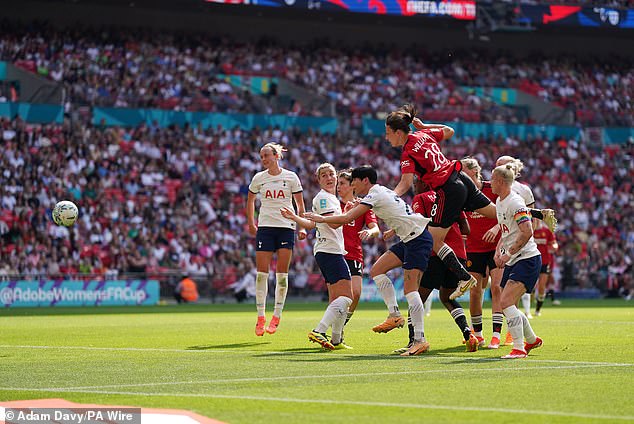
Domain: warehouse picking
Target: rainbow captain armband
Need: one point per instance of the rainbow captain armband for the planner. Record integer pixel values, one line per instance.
(522, 215)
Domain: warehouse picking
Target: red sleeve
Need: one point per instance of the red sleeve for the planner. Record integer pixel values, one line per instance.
(407, 164)
(370, 217)
(438, 134)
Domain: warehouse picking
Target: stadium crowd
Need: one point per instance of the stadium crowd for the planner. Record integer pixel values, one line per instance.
(140, 68)
(155, 200)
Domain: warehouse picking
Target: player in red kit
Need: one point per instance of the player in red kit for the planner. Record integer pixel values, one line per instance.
(481, 244)
(455, 191)
(354, 233)
(547, 245)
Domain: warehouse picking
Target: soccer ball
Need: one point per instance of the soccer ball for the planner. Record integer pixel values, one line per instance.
(65, 213)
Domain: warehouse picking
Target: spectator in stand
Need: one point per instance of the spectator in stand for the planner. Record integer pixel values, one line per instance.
(214, 169)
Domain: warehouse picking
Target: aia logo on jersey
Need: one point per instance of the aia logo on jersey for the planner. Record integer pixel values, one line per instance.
(505, 229)
(272, 194)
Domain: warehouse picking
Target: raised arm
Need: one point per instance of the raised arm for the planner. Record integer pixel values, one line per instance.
(345, 218)
(302, 222)
(447, 131)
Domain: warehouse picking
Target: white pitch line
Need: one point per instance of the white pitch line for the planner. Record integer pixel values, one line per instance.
(431, 356)
(530, 412)
(589, 321)
(304, 377)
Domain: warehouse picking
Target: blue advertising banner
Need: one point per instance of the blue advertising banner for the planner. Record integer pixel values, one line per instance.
(50, 293)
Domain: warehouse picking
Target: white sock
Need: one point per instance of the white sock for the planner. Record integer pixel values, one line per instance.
(336, 309)
(416, 313)
(526, 303)
(516, 326)
(529, 334)
(261, 290)
(281, 288)
(427, 305)
(342, 304)
(386, 289)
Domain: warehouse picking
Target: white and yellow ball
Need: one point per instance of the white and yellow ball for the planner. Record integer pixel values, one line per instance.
(65, 213)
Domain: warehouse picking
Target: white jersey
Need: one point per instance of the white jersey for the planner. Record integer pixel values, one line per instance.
(524, 192)
(395, 212)
(511, 212)
(275, 192)
(328, 239)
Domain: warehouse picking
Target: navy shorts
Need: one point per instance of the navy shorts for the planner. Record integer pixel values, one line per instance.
(415, 253)
(333, 267)
(437, 275)
(525, 271)
(458, 194)
(479, 262)
(356, 267)
(269, 239)
(545, 269)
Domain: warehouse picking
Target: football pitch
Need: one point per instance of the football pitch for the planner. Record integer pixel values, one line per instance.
(206, 358)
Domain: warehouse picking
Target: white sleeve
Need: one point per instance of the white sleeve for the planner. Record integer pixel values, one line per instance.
(296, 185)
(527, 194)
(369, 200)
(256, 184)
(322, 206)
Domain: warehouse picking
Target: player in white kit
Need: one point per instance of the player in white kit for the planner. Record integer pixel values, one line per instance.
(276, 188)
(517, 253)
(329, 253)
(417, 242)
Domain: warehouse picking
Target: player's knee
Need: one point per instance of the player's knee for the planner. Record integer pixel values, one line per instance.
(376, 271)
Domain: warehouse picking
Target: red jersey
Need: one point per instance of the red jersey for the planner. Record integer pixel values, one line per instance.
(544, 239)
(351, 240)
(422, 156)
(422, 204)
(480, 224)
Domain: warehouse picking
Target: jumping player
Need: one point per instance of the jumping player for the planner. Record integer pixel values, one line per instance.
(437, 276)
(455, 191)
(277, 188)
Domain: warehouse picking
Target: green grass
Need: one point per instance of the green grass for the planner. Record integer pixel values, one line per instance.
(205, 358)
